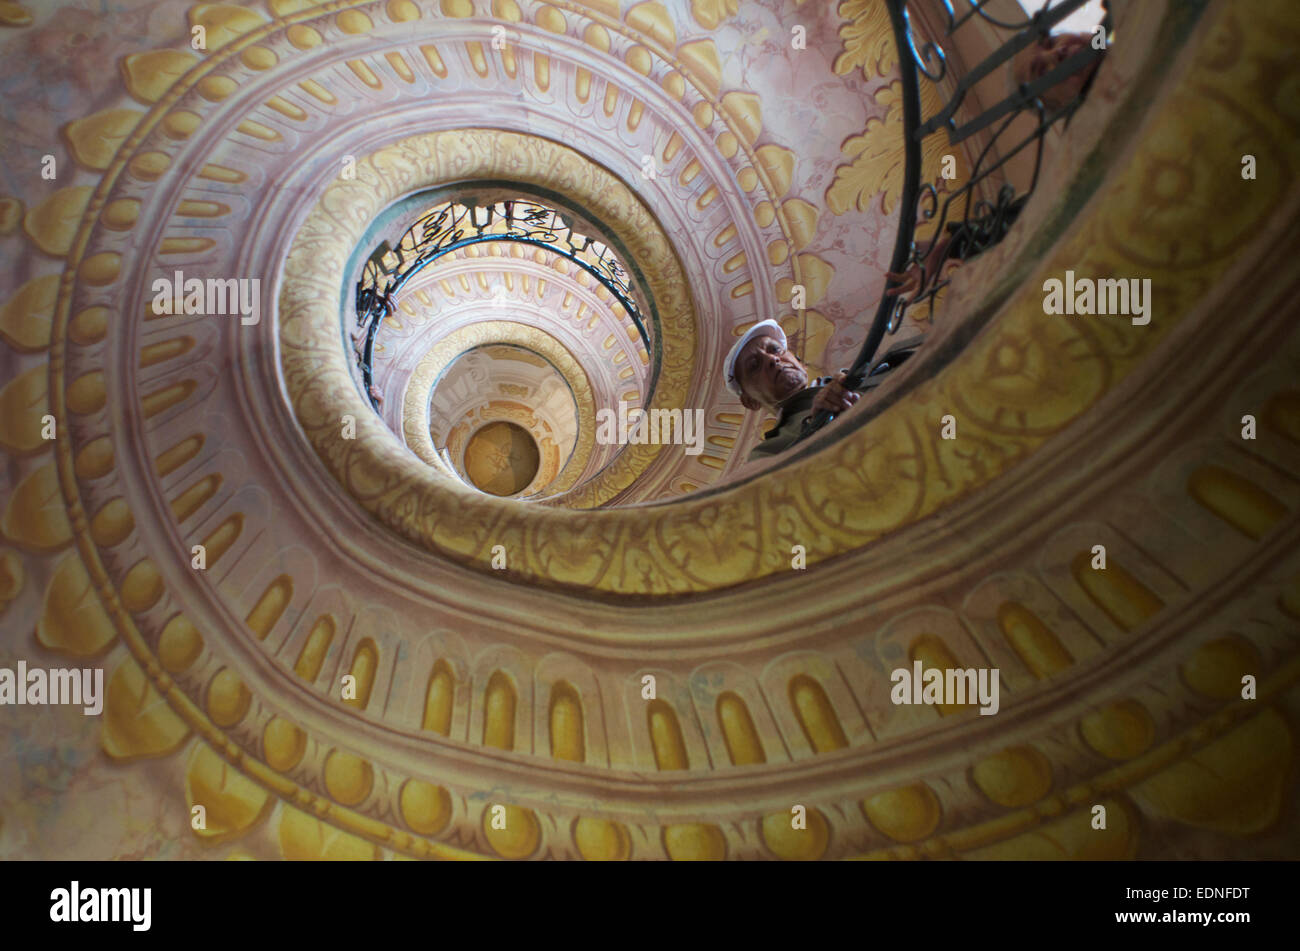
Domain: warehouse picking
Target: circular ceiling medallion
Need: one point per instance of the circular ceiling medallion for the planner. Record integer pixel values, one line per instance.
(502, 458)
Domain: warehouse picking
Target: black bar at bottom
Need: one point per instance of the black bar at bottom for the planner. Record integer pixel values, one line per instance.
(1025, 903)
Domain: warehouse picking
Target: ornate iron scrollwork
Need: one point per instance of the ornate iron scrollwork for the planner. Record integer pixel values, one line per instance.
(455, 224)
(981, 222)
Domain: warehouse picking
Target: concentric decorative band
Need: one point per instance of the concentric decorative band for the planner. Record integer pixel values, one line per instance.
(415, 408)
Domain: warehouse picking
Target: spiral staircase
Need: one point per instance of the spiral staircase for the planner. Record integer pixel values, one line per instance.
(630, 651)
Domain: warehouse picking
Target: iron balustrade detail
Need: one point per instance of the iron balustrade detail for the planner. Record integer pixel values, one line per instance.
(977, 215)
(453, 225)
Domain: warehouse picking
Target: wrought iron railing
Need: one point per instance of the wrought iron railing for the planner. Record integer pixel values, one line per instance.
(969, 220)
(456, 224)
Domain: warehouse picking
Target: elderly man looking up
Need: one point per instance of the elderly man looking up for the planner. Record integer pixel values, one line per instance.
(761, 370)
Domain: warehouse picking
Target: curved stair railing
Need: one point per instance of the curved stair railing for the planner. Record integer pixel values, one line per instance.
(983, 221)
(452, 225)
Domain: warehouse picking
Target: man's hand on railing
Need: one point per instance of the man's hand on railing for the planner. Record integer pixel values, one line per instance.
(933, 266)
(835, 396)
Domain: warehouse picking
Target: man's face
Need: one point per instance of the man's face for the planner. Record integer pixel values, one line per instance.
(1037, 60)
(768, 373)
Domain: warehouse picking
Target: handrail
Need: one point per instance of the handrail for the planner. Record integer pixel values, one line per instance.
(991, 219)
(455, 224)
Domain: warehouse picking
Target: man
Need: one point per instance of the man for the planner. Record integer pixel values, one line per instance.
(761, 370)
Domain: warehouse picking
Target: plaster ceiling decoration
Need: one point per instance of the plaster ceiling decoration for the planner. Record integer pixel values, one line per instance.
(587, 459)
(500, 383)
(499, 647)
(532, 286)
(502, 458)
(526, 286)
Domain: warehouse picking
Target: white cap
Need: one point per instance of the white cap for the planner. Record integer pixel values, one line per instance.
(764, 327)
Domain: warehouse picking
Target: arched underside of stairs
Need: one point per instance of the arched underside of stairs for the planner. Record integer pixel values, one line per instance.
(501, 649)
